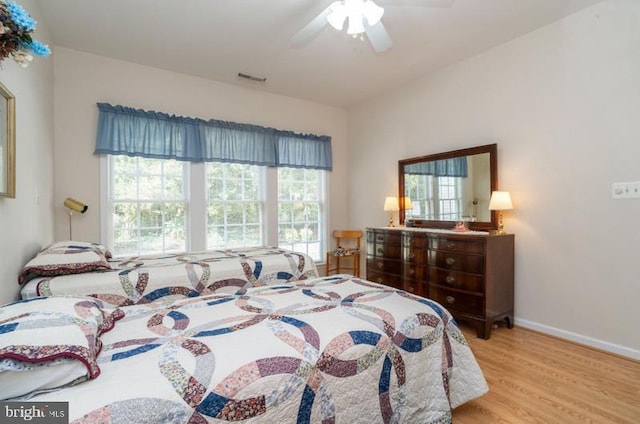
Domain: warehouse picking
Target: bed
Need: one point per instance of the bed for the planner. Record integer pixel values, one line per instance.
(61, 270)
(303, 349)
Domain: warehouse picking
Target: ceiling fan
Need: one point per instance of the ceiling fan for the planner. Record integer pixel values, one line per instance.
(363, 17)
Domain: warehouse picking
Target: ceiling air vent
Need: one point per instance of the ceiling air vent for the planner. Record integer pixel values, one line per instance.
(251, 77)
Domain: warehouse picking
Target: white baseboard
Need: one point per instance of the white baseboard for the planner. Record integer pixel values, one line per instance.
(579, 338)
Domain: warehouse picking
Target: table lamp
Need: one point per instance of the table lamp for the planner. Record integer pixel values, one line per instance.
(500, 201)
(391, 206)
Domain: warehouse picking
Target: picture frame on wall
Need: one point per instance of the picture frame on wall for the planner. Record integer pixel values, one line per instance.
(7, 143)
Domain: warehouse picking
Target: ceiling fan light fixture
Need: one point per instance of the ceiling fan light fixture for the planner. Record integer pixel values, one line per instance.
(372, 12)
(337, 15)
(364, 21)
(356, 24)
(356, 11)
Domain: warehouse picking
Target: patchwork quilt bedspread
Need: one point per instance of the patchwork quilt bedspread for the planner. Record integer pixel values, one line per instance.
(329, 350)
(168, 277)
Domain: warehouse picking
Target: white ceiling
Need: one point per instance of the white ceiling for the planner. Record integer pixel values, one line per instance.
(216, 39)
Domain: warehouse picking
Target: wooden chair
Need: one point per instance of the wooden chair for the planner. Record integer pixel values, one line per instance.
(347, 245)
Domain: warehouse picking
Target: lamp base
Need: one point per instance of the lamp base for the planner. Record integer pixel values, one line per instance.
(500, 224)
(391, 224)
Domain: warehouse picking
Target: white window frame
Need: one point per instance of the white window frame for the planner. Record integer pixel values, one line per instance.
(323, 220)
(262, 196)
(106, 204)
(197, 207)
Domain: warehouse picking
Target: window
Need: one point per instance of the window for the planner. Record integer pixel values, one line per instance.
(301, 210)
(147, 205)
(435, 198)
(420, 190)
(448, 197)
(155, 207)
(234, 208)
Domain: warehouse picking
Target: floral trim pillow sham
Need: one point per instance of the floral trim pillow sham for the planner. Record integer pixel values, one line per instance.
(50, 342)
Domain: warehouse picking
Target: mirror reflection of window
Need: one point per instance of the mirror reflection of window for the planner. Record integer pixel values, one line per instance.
(436, 198)
(453, 195)
(449, 198)
(449, 187)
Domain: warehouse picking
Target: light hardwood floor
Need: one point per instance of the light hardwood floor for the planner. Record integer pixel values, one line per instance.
(534, 378)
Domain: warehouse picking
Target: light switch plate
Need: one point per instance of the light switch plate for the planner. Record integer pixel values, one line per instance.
(626, 190)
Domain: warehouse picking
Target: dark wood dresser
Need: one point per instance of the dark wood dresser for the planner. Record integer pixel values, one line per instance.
(471, 274)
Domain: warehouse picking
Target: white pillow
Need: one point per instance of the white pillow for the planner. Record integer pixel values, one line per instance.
(63, 258)
(23, 379)
(50, 342)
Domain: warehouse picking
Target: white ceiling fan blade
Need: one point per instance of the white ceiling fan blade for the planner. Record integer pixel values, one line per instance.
(418, 3)
(312, 29)
(378, 37)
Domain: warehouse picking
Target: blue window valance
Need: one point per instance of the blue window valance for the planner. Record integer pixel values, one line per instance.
(455, 167)
(134, 132)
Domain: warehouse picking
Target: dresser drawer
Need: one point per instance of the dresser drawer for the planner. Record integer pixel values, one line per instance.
(393, 281)
(391, 251)
(411, 240)
(384, 237)
(457, 261)
(418, 256)
(457, 279)
(457, 302)
(384, 265)
(419, 288)
(415, 272)
(457, 245)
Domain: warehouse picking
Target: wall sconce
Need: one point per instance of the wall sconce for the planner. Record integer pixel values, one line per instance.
(391, 206)
(500, 201)
(74, 206)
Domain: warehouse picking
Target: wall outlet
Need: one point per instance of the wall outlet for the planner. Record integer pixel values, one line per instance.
(626, 190)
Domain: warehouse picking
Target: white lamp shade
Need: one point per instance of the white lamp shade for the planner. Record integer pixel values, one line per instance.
(391, 204)
(407, 203)
(500, 201)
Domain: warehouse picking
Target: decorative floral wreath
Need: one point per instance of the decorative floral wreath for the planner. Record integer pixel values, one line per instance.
(16, 26)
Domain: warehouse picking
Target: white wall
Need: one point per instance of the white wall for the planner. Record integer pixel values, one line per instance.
(562, 103)
(82, 80)
(26, 222)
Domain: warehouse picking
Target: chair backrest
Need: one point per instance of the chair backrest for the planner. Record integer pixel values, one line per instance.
(353, 235)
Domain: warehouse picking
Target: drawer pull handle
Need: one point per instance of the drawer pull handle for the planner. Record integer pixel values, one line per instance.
(380, 238)
(379, 280)
(380, 250)
(412, 255)
(450, 261)
(451, 245)
(412, 289)
(412, 271)
(450, 279)
(450, 300)
(380, 265)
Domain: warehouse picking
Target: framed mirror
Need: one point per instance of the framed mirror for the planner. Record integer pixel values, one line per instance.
(7, 143)
(439, 190)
